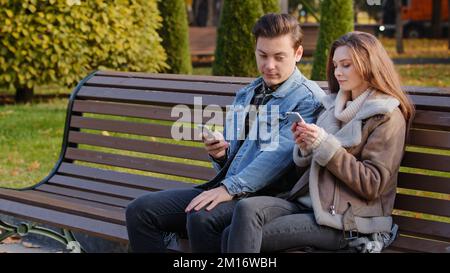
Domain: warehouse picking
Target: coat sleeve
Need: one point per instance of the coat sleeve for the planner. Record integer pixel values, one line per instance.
(380, 158)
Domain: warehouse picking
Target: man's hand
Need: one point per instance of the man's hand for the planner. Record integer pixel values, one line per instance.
(217, 146)
(212, 197)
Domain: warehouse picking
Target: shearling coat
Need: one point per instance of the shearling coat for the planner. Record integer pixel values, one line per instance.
(352, 175)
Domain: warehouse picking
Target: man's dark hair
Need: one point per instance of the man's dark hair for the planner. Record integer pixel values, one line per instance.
(274, 25)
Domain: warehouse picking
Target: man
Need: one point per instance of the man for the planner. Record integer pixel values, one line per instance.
(244, 166)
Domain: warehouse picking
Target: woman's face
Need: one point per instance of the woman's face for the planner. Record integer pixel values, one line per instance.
(345, 72)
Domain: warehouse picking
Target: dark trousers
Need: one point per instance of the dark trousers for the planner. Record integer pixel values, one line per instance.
(150, 217)
(268, 224)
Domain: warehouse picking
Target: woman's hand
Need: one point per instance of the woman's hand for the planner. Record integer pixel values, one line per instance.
(304, 134)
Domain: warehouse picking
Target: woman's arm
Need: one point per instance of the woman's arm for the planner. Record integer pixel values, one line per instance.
(380, 158)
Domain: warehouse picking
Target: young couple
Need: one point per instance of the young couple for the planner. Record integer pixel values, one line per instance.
(333, 175)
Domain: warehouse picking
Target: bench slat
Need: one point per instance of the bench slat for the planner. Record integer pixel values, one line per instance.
(434, 103)
(427, 91)
(423, 205)
(142, 164)
(30, 198)
(190, 78)
(416, 90)
(84, 195)
(432, 120)
(419, 137)
(426, 161)
(106, 230)
(150, 97)
(409, 244)
(127, 127)
(78, 201)
(423, 228)
(164, 85)
(120, 178)
(424, 182)
(96, 187)
(141, 146)
(138, 111)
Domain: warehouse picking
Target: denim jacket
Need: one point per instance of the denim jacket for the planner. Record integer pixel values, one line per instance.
(258, 162)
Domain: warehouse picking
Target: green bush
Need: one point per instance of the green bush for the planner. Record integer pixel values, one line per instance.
(62, 41)
(235, 50)
(174, 34)
(270, 6)
(336, 19)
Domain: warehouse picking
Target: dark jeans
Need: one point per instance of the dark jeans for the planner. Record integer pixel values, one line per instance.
(267, 224)
(151, 216)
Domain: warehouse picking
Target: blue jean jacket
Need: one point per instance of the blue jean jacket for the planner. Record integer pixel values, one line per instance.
(256, 164)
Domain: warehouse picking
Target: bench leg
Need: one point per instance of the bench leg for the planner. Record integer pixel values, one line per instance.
(66, 237)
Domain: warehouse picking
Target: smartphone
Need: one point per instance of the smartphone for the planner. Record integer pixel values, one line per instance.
(294, 117)
(205, 129)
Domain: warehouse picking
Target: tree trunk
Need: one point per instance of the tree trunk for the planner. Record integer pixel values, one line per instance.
(200, 12)
(399, 27)
(24, 94)
(436, 19)
(284, 6)
(211, 12)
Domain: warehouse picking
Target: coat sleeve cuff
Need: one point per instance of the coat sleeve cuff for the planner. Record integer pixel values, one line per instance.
(299, 159)
(326, 150)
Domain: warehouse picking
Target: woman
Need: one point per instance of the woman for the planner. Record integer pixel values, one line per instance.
(349, 161)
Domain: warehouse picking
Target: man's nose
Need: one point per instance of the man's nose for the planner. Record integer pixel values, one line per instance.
(270, 63)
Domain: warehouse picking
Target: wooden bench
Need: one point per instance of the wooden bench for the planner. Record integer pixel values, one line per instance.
(117, 146)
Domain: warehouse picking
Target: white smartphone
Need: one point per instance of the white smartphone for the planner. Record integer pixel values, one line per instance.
(294, 117)
(205, 129)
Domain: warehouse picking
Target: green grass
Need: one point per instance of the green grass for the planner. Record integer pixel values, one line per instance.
(30, 140)
(418, 48)
(436, 75)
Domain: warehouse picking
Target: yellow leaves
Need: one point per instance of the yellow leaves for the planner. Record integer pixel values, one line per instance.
(21, 77)
(7, 77)
(73, 2)
(25, 32)
(32, 8)
(35, 165)
(9, 13)
(54, 59)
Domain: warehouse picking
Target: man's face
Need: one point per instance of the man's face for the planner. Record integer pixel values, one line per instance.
(276, 58)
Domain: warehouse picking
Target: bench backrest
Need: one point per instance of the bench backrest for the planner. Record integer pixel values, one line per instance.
(118, 146)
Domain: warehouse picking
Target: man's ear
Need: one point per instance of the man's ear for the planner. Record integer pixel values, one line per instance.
(298, 54)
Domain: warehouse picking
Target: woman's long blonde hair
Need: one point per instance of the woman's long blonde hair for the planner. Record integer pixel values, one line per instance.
(372, 62)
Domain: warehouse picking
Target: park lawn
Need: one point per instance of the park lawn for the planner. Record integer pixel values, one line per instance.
(30, 141)
(418, 48)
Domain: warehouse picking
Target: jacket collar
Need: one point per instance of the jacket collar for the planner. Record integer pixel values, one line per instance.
(350, 134)
(377, 103)
(286, 87)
